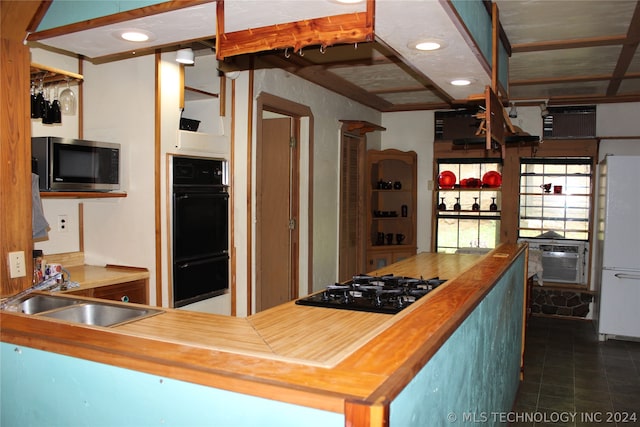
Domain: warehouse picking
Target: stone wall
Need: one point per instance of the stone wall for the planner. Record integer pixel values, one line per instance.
(560, 302)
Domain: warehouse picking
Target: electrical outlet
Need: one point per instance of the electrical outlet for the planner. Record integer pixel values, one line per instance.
(63, 223)
(17, 267)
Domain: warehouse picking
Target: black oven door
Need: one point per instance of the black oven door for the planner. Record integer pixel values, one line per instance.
(199, 279)
(200, 226)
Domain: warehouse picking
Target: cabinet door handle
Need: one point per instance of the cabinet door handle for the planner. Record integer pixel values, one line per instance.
(627, 276)
(124, 298)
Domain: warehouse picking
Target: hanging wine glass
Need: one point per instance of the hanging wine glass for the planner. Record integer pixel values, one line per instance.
(442, 206)
(56, 114)
(457, 206)
(47, 114)
(40, 102)
(475, 206)
(35, 105)
(67, 101)
(493, 207)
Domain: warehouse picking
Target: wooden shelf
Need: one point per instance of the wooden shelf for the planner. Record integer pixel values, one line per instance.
(52, 75)
(470, 189)
(556, 194)
(79, 195)
(195, 94)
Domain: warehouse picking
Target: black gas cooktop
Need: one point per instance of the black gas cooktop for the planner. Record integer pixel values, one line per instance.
(382, 294)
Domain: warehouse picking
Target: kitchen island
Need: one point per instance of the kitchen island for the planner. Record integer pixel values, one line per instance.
(454, 352)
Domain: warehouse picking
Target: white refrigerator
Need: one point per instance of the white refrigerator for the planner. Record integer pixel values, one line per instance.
(618, 262)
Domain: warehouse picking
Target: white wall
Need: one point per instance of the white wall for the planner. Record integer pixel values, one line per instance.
(408, 131)
(119, 107)
(327, 109)
(68, 241)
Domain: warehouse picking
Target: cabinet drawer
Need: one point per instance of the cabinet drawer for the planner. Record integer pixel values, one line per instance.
(135, 291)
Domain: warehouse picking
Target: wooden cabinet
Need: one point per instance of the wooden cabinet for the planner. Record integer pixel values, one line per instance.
(391, 204)
(134, 291)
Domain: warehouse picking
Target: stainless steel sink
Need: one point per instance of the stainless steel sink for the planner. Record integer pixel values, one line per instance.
(88, 312)
(40, 303)
(100, 314)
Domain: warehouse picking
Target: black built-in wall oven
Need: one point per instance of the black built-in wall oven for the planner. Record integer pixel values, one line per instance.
(200, 220)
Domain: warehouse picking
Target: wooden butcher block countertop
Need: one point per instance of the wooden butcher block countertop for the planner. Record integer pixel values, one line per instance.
(310, 356)
(310, 335)
(90, 276)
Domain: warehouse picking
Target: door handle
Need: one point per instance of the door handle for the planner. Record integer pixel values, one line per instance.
(627, 276)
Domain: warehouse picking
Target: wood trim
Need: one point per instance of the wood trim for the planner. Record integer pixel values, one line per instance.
(232, 174)
(249, 194)
(80, 194)
(222, 98)
(365, 414)
(620, 137)
(181, 86)
(80, 105)
(157, 175)
(81, 227)
(495, 59)
(168, 208)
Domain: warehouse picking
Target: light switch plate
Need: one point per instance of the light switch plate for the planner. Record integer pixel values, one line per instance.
(17, 267)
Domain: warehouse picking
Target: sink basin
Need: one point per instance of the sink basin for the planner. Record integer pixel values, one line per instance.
(99, 314)
(39, 303)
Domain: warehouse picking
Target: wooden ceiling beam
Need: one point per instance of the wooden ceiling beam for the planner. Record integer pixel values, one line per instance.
(628, 52)
(319, 75)
(326, 31)
(569, 44)
(573, 79)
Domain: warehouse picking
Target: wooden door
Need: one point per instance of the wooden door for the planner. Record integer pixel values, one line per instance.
(351, 259)
(276, 214)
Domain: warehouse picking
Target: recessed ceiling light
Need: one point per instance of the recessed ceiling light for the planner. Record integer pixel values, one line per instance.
(427, 44)
(461, 82)
(136, 36)
(430, 45)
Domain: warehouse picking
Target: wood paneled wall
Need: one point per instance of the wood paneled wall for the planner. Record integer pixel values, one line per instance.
(15, 135)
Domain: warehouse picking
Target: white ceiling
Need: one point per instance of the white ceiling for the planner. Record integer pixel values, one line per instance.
(394, 76)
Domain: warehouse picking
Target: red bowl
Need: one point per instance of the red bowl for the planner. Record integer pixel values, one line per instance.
(447, 179)
(492, 179)
(470, 183)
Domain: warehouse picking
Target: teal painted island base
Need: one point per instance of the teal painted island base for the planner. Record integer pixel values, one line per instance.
(42, 389)
(474, 377)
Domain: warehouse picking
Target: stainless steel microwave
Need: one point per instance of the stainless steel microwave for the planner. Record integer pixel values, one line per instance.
(66, 164)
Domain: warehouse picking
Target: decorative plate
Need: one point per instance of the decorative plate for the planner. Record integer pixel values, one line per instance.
(492, 179)
(446, 179)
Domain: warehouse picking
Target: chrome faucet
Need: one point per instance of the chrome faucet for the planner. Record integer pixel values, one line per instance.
(10, 303)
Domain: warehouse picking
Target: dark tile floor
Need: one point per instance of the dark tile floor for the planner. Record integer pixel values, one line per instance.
(572, 379)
